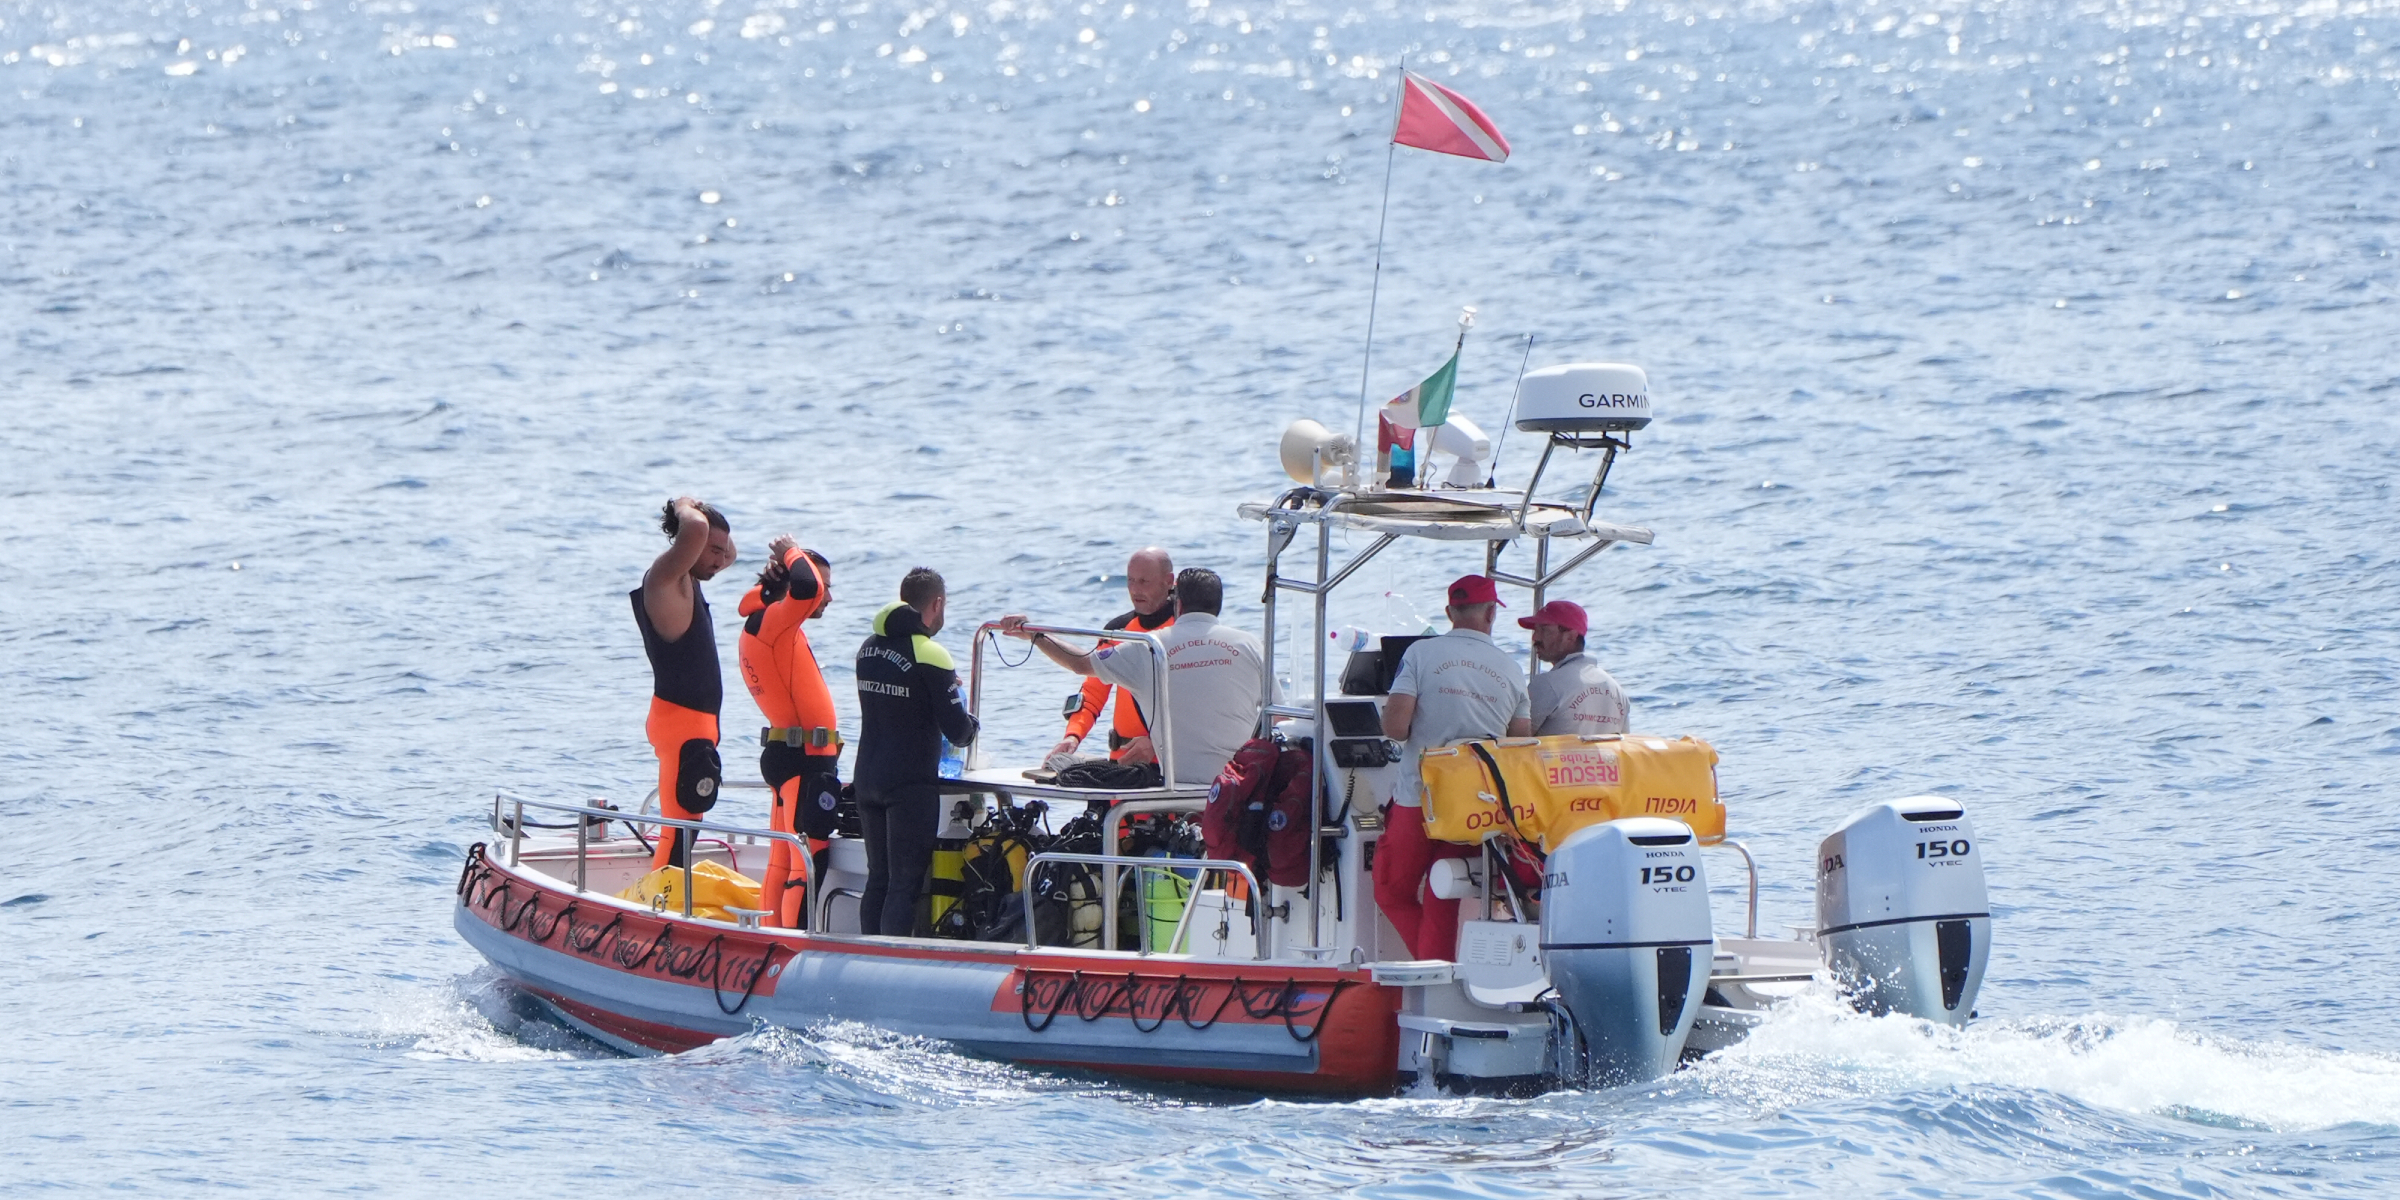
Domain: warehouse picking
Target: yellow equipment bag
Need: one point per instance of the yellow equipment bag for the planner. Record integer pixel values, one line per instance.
(715, 888)
(1559, 784)
(1461, 803)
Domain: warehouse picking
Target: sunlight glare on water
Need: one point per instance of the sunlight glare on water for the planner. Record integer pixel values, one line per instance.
(2025, 394)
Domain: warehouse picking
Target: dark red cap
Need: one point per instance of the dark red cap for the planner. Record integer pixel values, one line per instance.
(1564, 613)
(1475, 589)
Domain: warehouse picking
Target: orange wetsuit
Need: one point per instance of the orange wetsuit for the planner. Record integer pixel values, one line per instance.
(686, 690)
(1127, 724)
(800, 754)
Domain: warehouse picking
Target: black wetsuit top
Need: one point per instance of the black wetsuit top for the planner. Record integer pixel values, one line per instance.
(908, 701)
(685, 671)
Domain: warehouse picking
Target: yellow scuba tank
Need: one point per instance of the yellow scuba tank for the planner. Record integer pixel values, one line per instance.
(945, 882)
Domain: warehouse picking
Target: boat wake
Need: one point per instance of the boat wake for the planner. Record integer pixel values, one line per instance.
(877, 1068)
(1815, 1049)
(1813, 1052)
(478, 1018)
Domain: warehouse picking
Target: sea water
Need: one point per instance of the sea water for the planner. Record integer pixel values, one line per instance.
(2025, 376)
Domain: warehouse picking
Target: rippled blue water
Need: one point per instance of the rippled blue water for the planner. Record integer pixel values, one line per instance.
(2026, 379)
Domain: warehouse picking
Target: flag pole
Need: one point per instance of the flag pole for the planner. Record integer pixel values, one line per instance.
(1466, 321)
(1375, 288)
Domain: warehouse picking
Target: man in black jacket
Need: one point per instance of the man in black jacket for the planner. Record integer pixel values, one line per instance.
(908, 702)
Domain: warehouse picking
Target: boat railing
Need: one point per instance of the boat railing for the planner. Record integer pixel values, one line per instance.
(1110, 830)
(1751, 863)
(650, 798)
(1162, 738)
(587, 815)
(1142, 864)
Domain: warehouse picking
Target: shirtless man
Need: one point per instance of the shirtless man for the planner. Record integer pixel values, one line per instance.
(687, 686)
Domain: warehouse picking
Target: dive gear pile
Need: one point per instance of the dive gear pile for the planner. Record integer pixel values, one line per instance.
(976, 891)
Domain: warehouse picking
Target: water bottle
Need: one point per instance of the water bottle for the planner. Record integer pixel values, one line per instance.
(1350, 639)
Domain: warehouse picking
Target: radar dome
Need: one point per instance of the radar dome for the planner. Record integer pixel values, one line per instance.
(1584, 398)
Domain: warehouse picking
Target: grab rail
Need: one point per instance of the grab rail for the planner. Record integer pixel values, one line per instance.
(1112, 828)
(1752, 863)
(1258, 923)
(650, 797)
(1161, 739)
(516, 839)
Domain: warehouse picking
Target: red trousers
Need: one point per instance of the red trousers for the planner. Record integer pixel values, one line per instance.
(1427, 923)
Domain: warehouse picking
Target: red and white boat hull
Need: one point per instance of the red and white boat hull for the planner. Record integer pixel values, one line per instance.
(640, 980)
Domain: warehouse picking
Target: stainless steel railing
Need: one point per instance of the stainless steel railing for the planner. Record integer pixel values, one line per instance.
(1108, 900)
(1752, 863)
(587, 814)
(1111, 829)
(1155, 714)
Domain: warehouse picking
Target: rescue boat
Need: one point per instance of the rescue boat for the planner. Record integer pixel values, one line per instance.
(1602, 967)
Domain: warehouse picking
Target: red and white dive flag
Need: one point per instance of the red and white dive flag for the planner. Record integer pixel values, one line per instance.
(1433, 117)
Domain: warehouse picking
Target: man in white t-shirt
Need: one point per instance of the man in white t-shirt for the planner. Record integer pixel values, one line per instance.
(1574, 695)
(1454, 688)
(1216, 677)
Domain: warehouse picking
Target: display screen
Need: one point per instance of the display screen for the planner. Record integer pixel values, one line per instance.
(1354, 718)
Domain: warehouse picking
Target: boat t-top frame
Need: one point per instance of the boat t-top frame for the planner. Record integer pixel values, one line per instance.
(1496, 517)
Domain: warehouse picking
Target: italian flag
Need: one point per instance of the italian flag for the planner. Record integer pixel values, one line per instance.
(1421, 407)
(1427, 404)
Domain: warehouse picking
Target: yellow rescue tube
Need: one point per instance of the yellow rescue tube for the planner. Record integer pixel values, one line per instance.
(1557, 785)
(715, 889)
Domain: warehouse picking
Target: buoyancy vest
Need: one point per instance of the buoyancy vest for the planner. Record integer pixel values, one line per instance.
(684, 672)
(1258, 810)
(778, 663)
(1126, 724)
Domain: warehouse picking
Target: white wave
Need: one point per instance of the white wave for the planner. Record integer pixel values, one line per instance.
(895, 1067)
(447, 1024)
(1816, 1048)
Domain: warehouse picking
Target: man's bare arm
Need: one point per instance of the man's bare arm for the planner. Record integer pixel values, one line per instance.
(667, 587)
(1399, 713)
(1520, 727)
(1078, 661)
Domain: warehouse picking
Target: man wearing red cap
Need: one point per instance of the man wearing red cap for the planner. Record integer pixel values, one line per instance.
(1454, 688)
(1574, 695)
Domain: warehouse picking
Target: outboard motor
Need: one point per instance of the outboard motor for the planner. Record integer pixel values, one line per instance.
(1626, 941)
(1902, 916)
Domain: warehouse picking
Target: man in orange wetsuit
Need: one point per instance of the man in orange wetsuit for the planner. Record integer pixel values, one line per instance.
(687, 686)
(800, 750)
(1150, 585)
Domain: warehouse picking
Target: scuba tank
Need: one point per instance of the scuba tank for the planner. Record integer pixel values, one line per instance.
(993, 865)
(1072, 890)
(1165, 893)
(939, 912)
(945, 879)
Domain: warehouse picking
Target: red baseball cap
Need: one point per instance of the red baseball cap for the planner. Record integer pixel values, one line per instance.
(1564, 613)
(1475, 589)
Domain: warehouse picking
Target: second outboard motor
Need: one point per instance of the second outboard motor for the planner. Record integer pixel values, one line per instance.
(1627, 942)
(1902, 916)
